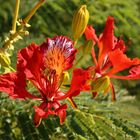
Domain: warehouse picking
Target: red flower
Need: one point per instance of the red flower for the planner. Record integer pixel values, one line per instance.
(43, 66)
(79, 83)
(111, 57)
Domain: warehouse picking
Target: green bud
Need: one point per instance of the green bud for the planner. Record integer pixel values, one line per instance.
(100, 84)
(80, 21)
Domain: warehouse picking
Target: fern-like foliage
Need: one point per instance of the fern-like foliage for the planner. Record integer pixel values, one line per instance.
(94, 120)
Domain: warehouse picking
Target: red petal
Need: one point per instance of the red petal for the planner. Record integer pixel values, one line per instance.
(134, 74)
(49, 108)
(120, 61)
(106, 40)
(90, 34)
(78, 84)
(37, 119)
(61, 112)
(120, 45)
(30, 61)
(15, 85)
(39, 113)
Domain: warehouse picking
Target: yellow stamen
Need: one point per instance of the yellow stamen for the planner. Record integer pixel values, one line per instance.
(55, 60)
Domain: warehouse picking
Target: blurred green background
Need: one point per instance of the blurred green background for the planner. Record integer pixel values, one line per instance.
(109, 122)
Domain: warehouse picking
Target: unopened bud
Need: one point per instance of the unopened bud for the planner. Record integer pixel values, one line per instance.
(26, 33)
(6, 39)
(80, 21)
(100, 84)
(12, 32)
(19, 37)
(11, 47)
(18, 23)
(27, 25)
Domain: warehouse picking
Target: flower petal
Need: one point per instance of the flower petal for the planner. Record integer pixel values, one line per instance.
(106, 40)
(30, 61)
(90, 34)
(39, 113)
(61, 112)
(79, 80)
(134, 74)
(78, 84)
(15, 85)
(49, 108)
(120, 45)
(120, 61)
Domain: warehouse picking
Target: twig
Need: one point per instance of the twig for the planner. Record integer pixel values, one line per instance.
(15, 15)
(14, 35)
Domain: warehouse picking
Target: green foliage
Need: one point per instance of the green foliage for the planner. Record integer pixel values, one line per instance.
(6, 10)
(97, 119)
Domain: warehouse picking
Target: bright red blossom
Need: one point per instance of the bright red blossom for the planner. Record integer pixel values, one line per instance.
(44, 66)
(111, 57)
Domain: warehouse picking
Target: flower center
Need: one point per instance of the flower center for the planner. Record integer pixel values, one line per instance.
(55, 60)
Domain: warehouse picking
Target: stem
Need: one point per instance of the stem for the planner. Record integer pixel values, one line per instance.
(15, 15)
(12, 69)
(21, 29)
(8, 42)
(78, 61)
(32, 12)
(72, 103)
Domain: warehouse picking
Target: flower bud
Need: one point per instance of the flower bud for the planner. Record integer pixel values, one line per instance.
(80, 21)
(27, 25)
(26, 33)
(100, 84)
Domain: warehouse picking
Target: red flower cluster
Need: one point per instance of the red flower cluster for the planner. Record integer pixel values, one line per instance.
(111, 57)
(44, 67)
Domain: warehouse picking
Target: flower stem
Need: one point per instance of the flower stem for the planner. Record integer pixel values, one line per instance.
(19, 31)
(32, 12)
(78, 61)
(15, 15)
